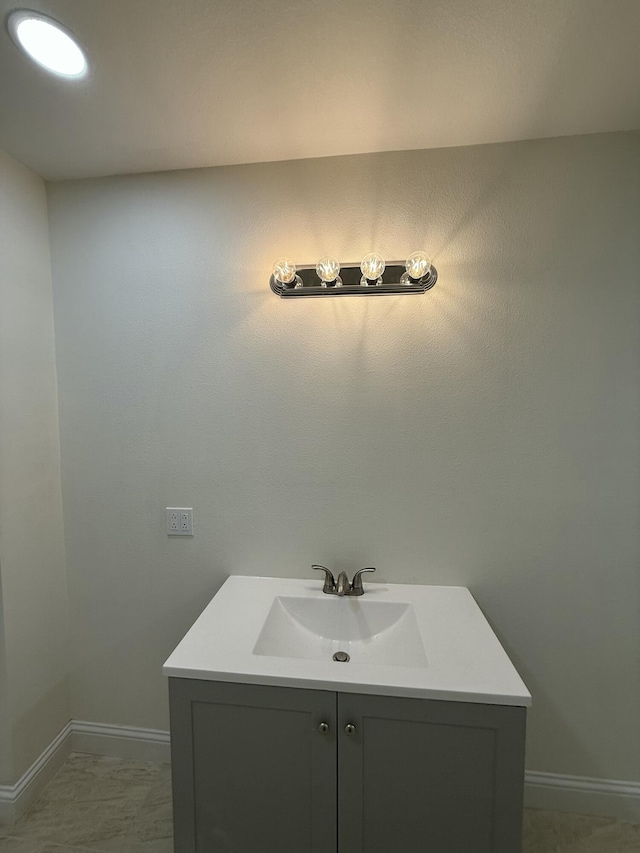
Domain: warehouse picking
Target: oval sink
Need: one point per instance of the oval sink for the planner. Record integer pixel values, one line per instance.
(384, 633)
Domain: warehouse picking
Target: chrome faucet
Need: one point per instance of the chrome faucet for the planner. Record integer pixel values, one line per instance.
(342, 586)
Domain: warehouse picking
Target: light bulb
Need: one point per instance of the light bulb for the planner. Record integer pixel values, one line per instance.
(47, 43)
(328, 270)
(372, 267)
(418, 265)
(284, 271)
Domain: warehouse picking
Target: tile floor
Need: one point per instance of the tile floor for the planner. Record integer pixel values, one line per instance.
(107, 805)
(95, 804)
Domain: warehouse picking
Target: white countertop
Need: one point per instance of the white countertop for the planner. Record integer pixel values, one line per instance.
(463, 658)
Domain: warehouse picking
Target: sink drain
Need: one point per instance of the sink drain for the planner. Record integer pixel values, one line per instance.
(341, 657)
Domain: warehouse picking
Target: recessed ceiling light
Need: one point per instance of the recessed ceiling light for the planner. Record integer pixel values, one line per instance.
(48, 43)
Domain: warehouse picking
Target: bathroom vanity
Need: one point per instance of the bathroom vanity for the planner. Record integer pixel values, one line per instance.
(414, 744)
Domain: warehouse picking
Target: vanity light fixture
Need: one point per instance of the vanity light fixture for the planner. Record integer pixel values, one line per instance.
(372, 267)
(372, 277)
(328, 270)
(47, 43)
(284, 272)
(417, 266)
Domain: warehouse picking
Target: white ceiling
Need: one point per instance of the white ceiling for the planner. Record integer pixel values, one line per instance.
(184, 83)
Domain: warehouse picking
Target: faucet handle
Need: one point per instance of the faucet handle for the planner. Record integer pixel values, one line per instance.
(329, 580)
(356, 583)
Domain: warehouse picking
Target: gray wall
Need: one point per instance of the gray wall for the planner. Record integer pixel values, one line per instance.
(484, 434)
(34, 694)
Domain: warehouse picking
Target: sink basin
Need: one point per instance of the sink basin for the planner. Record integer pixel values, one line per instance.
(370, 632)
(421, 641)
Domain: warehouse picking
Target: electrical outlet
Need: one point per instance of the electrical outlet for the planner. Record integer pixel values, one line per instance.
(179, 521)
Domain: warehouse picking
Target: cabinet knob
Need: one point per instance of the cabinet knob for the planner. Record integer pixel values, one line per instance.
(323, 728)
(349, 729)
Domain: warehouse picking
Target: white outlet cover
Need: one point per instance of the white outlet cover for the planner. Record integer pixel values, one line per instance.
(179, 520)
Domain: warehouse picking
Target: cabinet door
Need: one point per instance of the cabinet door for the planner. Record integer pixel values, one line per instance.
(252, 772)
(422, 776)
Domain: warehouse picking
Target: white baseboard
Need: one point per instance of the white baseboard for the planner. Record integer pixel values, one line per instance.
(583, 795)
(120, 741)
(16, 799)
(79, 736)
(551, 791)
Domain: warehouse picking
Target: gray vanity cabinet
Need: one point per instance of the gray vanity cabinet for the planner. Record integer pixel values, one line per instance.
(423, 776)
(252, 773)
(280, 770)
